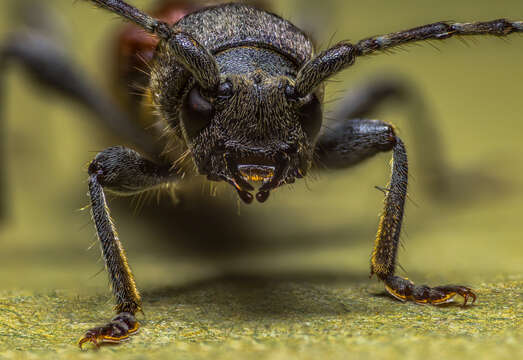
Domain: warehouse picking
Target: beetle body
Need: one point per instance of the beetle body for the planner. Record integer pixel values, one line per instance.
(247, 132)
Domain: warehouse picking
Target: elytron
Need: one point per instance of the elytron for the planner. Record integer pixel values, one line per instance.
(237, 94)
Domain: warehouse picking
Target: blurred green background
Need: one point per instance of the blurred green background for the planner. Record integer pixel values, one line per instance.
(302, 290)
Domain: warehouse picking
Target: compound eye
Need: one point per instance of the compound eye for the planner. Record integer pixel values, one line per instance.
(225, 90)
(311, 116)
(197, 112)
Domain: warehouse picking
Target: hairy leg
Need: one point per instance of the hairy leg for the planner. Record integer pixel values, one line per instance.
(354, 141)
(364, 101)
(122, 171)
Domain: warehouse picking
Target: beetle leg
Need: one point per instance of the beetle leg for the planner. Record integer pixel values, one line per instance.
(364, 101)
(350, 142)
(121, 171)
(353, 141)
(50, 66)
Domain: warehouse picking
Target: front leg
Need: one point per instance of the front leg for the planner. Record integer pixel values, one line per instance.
(122, 171)
(434, 170)
(353, 141)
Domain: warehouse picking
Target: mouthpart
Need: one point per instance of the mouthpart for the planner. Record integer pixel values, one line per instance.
(262, 176)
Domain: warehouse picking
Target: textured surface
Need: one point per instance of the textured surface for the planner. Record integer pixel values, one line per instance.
(263, 317)
(221, 27)
(303, 291)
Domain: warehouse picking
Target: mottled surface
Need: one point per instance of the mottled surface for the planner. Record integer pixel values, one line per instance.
(263, 317)
(298, 287)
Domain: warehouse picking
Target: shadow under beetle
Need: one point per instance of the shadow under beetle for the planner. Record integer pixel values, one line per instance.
(238, 95)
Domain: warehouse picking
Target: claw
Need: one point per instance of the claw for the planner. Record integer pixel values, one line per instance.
(466, 293)
(404, 290)
(119, 329)
(450, 291)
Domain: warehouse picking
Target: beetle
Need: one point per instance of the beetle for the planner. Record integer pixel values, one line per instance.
(239, 93)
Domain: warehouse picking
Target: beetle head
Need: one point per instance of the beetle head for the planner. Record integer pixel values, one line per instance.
(252, 132)
(239, 113)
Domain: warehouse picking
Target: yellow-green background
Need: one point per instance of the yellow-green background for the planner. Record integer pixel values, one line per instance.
(304, 292)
